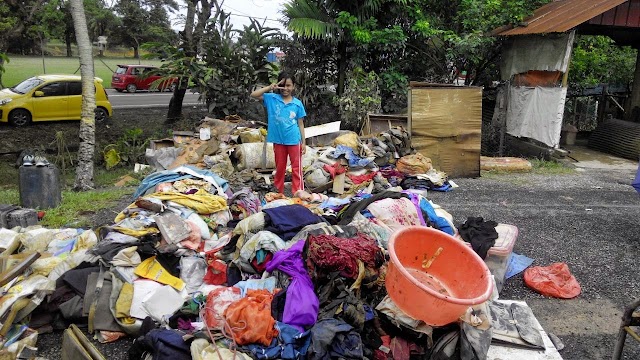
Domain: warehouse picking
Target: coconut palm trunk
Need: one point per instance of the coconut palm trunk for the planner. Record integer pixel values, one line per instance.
(84, 171)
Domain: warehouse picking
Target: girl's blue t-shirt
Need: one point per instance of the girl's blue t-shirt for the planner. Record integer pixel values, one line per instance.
(283, 119)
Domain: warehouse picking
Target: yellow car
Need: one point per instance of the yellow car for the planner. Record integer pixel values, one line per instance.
(50, 98)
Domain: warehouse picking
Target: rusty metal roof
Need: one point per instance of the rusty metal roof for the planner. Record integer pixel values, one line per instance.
(626, 15)
(560, 16)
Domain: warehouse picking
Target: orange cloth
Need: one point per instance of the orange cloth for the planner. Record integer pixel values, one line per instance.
(250, 318)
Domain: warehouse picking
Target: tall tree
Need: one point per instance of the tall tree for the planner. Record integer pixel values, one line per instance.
(134, 20)
(191, 45)
(144, 20)
(15, 17)
(84, 171)
(318, 19)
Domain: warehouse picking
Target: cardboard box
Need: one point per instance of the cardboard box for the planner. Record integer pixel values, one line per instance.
(446, 125)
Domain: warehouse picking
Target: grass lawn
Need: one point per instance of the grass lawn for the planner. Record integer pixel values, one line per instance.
(76, 206)
(23, 67)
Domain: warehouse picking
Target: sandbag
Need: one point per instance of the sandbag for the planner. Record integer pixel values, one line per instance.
(250, 156)
(349, 139)
(554, 280)
(219, 164)
(414, 164)
(316, 177)
(251, 136)
(219, 127)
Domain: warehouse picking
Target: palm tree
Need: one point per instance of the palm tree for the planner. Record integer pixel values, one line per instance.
(84, 171)
(316, 19)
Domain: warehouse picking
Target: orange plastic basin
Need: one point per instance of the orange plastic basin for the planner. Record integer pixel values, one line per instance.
(433, 277)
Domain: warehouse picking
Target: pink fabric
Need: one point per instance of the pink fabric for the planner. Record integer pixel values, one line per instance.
(294, 154)
(395, 213)
(194, 239)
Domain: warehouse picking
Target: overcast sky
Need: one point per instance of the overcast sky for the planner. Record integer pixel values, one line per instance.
(242, 9)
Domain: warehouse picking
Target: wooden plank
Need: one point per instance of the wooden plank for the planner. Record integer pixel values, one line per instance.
(380, 122)
(338, 183)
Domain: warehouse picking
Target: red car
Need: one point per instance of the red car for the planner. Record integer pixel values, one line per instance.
(136, 77)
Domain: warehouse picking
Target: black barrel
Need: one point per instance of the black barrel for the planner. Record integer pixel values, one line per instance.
(40, 186)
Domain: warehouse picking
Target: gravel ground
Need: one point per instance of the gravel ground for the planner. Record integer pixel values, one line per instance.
(588, 220)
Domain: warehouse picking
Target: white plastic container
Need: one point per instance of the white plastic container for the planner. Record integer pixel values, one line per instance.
(498, 256)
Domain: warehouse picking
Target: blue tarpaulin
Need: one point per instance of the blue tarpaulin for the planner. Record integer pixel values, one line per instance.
(517, 264)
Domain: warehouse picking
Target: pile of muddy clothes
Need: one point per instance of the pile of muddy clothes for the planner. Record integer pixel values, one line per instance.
(197, 267)
(237, 150)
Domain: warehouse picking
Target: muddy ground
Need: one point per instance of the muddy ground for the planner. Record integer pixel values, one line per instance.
(588, 219)
(42, 135)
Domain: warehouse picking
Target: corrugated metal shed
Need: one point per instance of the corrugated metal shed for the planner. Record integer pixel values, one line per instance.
(560, 16)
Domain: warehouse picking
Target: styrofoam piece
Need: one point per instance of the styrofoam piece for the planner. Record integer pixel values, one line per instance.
(323, 129)
(162, 302)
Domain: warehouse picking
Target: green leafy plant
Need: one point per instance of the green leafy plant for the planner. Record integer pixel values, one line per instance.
(598, 60)
(128, 150)
(394, 86)
(234, 62)
(312, 63)
(361, 97)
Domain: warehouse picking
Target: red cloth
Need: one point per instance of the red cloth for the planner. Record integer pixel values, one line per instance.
(359, 179)
(335, 169)
(391, 172)
(294, 154)
(332, 253)
(216, 272)
(260, 268)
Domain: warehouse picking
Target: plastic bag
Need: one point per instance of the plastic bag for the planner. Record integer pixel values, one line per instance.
(192, 271)
(554, 280)
(218, 300)
(216, 273)
(253, 310)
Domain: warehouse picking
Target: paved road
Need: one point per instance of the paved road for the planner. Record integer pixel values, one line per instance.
(143, 99)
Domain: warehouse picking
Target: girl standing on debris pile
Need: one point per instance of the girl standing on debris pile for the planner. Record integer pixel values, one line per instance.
(285, 128)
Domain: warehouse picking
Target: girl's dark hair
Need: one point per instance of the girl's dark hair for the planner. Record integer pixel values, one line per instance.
(285, 75)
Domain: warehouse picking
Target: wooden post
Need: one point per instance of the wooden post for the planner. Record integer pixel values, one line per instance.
(602, 105)
(634, 100)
